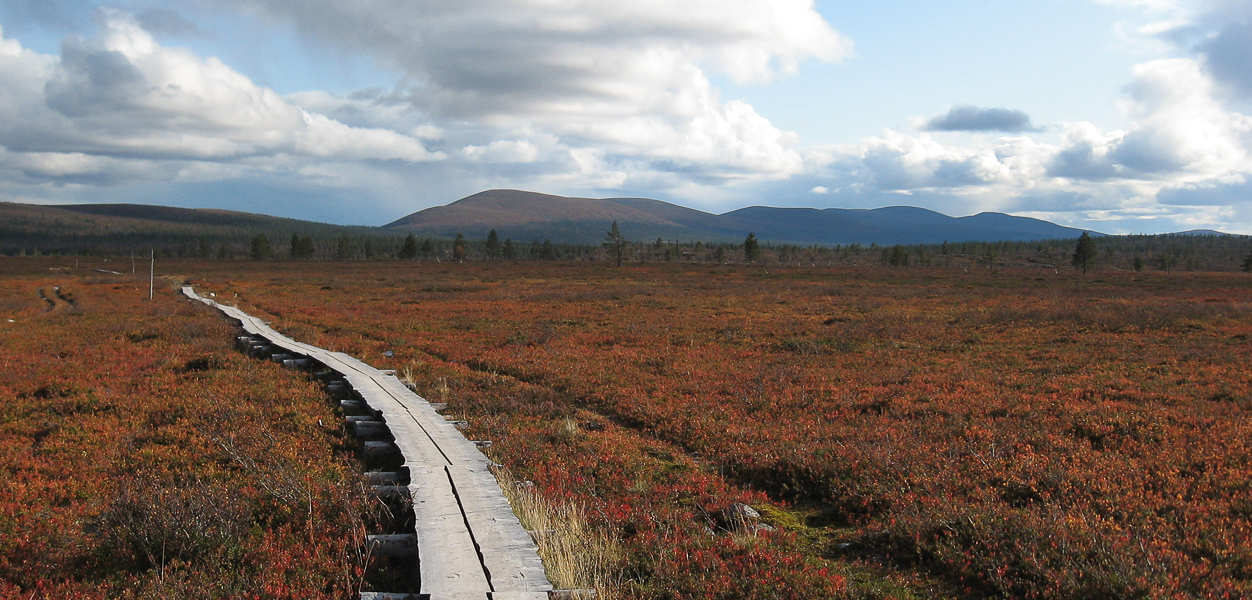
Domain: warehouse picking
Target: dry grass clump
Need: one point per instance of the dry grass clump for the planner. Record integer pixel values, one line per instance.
(575, 555)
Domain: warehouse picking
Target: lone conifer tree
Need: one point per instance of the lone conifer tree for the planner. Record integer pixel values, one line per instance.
(751, 248)
(1085, 253)
(260, 247)
(615, 243)
(493, 245)
(1247, 263)
(409, 250)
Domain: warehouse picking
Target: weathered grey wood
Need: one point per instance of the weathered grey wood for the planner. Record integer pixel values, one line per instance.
(469, 543)
(392, 596)
(448, 557)
(508, 553)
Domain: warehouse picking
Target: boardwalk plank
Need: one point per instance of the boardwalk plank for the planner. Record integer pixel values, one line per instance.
(509, 554)
(448, 556)
(470, 545)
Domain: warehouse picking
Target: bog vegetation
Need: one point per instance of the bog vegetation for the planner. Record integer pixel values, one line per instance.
(994, 433)
(141, 457)
(902, 432)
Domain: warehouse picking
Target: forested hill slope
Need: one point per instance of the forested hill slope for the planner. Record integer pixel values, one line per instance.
(525, 215)
(125, 228)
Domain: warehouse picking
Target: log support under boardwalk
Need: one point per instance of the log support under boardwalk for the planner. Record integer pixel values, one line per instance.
(370, 429)
(393, 545)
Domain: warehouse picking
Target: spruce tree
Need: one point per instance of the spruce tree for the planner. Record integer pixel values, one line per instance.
(1085, 252)
(493, 245)
(751, 248)
(615, 243)
(260, 247)
(409, 250)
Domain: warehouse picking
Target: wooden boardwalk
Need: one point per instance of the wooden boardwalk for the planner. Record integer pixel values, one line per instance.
(469, 543)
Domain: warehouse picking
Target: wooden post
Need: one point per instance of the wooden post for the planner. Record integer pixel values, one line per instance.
(152, 275)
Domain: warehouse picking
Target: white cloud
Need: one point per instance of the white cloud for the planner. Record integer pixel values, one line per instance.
(1180, 129)
(502, 151)
(121, 96)
(1180, 138)
(630, 77)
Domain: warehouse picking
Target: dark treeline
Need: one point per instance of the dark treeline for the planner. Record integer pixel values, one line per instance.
(1138, 252)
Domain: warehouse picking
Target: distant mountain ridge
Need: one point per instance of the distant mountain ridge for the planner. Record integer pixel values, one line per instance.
(123, 228)
(526, 215)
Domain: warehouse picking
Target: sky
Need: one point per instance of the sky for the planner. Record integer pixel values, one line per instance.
(1119, 116)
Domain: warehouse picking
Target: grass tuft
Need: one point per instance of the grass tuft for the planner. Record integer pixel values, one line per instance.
(575, 554)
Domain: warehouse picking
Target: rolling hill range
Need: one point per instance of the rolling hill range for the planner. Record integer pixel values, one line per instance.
(525, 215)
(122, 228)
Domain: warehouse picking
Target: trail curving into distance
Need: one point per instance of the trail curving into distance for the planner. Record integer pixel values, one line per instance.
(470, 545)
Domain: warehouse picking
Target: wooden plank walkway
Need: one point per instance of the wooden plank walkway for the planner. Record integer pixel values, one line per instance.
(470, 545)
